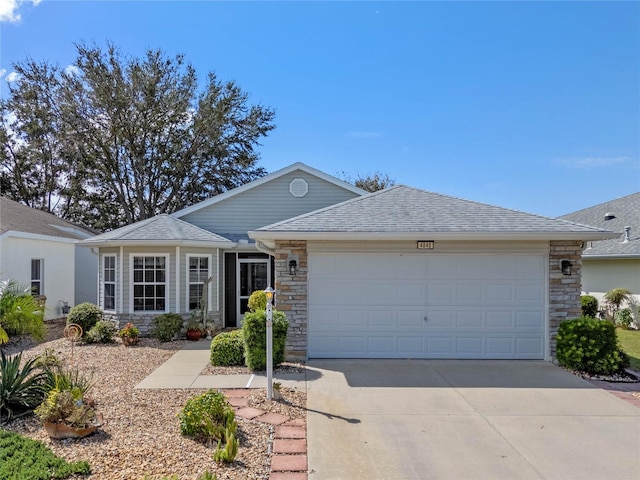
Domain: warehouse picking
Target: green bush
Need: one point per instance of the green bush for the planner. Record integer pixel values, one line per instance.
(71, 380)
(227, 348)
(589, 306)
(23, 458)
(86, 315)
(623, 318)
(208, 416)
(20, 312)
(254, 332)
(167, 325)
(589, 345)
(102, 332)
(21, 387)
(257, 301)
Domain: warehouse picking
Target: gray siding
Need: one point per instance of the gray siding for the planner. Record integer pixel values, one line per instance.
(266, 204)
(174, 276)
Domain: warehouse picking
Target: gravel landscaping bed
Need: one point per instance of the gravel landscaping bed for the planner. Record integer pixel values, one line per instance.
(140, 434)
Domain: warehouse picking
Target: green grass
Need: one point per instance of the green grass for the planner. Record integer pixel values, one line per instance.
(630, 343)
(22, 458)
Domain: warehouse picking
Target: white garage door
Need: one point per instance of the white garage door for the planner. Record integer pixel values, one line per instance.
(436, 306)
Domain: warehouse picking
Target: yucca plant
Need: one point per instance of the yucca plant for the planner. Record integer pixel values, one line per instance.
(21, 386)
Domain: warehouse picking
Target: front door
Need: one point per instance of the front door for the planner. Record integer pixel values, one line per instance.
(253, 275)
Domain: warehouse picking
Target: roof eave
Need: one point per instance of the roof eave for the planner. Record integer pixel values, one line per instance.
(611, 256)
(302, 235)
(155, 243)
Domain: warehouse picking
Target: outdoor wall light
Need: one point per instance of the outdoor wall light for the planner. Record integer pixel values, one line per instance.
(293, 267)
(566, 266)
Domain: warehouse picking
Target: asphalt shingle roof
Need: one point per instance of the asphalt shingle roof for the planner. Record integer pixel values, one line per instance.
(406, 209)
(161, 228)
(626, 211)
(17, 217)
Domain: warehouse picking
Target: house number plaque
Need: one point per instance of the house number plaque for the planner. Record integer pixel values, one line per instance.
(425, 244)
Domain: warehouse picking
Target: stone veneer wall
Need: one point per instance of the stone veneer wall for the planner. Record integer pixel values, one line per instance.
(564, 291)
(291, 296)
(145, 322)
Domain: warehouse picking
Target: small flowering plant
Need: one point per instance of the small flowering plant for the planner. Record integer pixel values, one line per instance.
(129, 331)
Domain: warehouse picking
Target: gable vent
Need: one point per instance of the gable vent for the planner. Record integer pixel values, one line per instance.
(298, 187)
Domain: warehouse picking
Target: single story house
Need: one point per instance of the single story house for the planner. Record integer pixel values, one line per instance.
(41, 250)
(612, 263)
(399, 273)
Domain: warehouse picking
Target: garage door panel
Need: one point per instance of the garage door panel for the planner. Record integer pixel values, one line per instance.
(470, 346)
(500, 294)
(439, 346)
(500, 319)
(470, 320)
(427, 306)
(411, 319)
(533, 320)
(385, 345)
(529, 293)
(381, 319)
(412, 346)
(470, 294)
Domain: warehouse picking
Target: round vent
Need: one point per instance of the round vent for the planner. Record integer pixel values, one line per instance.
(298, 187)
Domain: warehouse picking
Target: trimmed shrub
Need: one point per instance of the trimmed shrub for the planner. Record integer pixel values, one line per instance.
(254, 332)
(589, 306)
(589, 345)
(86, 315)
(623, 318)
(257, 301)
(227, 348)
(167, 325)
(102, 332)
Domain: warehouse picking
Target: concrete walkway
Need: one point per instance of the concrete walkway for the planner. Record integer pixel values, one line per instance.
(184, 368)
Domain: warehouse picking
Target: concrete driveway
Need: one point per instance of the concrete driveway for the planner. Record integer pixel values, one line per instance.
(425, 419)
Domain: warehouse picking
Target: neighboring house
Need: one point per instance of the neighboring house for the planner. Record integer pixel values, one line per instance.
(400, 273)
(613, 263)
(41, 250)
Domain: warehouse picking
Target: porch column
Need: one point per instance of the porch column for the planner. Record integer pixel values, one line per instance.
(291, 296)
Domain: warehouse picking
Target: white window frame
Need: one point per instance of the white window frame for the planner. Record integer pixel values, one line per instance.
(189, 256)
(105, 282)
(40, 280)
(167, 283)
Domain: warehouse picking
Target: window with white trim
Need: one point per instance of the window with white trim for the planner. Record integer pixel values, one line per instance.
(109, 282)
(198, 272)
(149, 280)
(37, 270)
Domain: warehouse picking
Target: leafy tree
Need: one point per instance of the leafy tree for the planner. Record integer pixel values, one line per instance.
(371, 182)
(614, 300)
(121, 139)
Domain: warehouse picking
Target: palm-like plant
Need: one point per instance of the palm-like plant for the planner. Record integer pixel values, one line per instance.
(21, 386)
(19, 312)
(615, 298)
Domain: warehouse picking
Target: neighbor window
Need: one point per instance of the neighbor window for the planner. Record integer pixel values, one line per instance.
(37, 287)
(109, 282)
(149, 283)
(196, 276)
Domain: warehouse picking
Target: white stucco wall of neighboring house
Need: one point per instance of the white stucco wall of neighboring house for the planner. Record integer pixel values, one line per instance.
(86, 273)
(58, 257)
(601, 275)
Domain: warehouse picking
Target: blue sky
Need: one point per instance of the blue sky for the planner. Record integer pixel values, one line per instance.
(533, 106)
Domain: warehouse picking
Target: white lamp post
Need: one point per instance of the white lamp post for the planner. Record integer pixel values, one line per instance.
(269, 291)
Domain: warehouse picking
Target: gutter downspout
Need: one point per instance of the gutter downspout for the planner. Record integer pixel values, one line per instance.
(264, 249)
